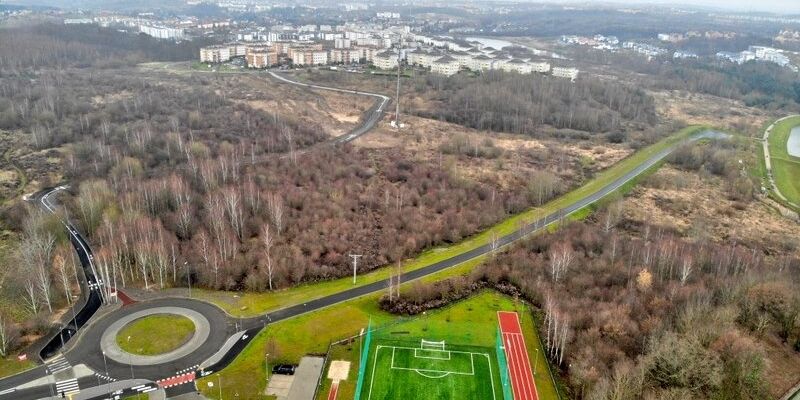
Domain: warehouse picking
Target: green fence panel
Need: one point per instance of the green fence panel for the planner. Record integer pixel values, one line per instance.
(503, 366)
(362, 366)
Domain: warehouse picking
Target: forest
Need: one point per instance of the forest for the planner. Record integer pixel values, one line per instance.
(174, 176)
(48, 44)
(758, 84)
(525, 104)
(632, 310)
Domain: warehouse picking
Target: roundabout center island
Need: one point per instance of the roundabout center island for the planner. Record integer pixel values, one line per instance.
(155, 334)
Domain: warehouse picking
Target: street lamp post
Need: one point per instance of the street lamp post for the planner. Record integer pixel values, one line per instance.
(219, 383)
(130, 360)
(188, 277)
(108, 380)
(534, 361)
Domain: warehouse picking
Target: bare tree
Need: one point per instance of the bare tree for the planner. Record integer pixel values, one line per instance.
(561, 256)
(8, 336)
(233, 208)
(268, 240)
(686, 267)
(275, 205)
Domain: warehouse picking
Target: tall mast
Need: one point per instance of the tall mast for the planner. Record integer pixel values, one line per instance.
(397, 97)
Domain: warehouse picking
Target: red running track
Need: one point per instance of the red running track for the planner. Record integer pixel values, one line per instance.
(519, 365)
(334, 390)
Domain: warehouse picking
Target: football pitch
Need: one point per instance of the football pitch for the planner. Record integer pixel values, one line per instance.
(402, 370)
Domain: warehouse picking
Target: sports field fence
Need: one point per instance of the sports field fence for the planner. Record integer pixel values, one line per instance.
(503, 366)
(362, 365)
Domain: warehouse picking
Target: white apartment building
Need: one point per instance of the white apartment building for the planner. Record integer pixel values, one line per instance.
(480, 63)
(563, 72)
(385, 60)
(342, 43)
(330, 36)
(540, 67)
(306, 56)
(215, 54)
(516, 65)
(445, 66)
(344, 56)
(161, 32)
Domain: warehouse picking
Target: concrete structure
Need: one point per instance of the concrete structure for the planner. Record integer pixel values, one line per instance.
(261, 57)
(161, 32)
(215, 54)
(446, 66)
(562, 72)
(308, 55)
(540, 67)
(342, 43)
(385, 60)
(516, 65)
(306, 377)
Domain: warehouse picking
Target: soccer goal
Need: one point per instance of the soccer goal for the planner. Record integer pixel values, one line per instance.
(432, 350)
(431, 345)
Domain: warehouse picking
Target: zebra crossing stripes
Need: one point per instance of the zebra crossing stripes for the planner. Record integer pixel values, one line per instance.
(67, 387)
(105, 378)
(58, 364)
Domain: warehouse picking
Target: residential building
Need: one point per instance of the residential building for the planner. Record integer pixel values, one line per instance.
(78, 21)
(516, 65)
(261, 57)
(445, 66)
(215, 54)
(385, 60)
(563, 72)
(308, 56)
(161, 32)
(342, 43)
(540, 67)
(480, 63)
(344, 56)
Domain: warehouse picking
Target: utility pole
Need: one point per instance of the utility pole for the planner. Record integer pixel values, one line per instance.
(355, 265)
(397, 97)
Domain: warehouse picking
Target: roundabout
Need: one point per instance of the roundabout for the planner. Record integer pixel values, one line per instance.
(105, 348)
(172, 344)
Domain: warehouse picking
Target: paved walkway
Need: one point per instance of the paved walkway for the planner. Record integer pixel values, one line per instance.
(768, 161)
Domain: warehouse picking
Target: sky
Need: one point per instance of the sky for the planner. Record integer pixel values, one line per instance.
(774, 6)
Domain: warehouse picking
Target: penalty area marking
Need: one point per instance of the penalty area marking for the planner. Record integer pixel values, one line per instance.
(428, 373)
(422, 371)
(432, 354)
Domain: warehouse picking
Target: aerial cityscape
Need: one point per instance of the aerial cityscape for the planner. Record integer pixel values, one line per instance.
(305, 200)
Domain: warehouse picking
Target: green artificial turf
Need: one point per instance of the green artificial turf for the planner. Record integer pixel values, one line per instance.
(399, 370)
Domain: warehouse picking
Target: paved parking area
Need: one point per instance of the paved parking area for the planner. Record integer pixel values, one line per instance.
(279, 386)
(306, 378)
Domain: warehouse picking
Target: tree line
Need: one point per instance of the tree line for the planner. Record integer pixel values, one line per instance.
(525, 104)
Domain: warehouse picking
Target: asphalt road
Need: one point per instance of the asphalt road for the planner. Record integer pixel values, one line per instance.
(85, 348)
(371, 117)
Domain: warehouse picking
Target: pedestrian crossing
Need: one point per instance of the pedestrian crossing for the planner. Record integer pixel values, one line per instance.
(58, 364)
(105, 378)
(67, 387)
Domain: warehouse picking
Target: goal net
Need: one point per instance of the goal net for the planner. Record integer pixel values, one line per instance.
(431, 345)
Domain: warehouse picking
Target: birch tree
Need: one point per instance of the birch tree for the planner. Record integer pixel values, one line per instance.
(268, 240)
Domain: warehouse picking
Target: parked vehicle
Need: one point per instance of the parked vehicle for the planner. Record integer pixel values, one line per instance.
(284, 369)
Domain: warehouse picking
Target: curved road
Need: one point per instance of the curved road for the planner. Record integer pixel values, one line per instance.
(768, 161)
(222, 351)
